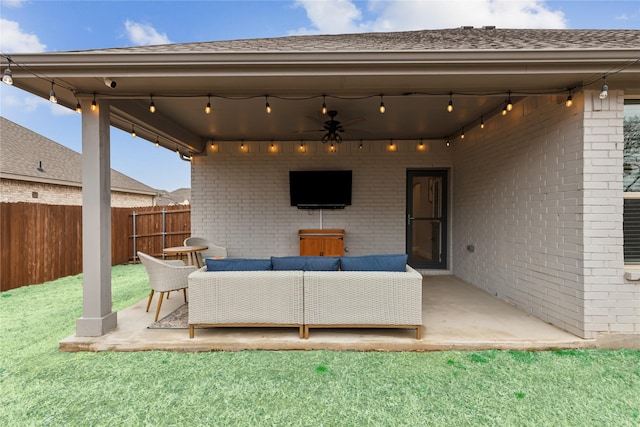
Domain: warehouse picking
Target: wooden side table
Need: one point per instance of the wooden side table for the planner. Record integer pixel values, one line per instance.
(191, 252)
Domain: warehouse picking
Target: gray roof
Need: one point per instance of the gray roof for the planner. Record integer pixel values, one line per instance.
(449, 39)
(22, 150)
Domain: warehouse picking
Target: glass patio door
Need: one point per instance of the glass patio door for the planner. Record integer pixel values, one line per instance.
(427, 218)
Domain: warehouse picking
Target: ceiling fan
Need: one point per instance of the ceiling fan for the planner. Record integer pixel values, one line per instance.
(333, 127)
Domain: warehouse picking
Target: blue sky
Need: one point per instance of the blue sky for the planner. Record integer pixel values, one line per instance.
(43, 26)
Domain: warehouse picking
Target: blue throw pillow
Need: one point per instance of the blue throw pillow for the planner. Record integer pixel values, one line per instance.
(238, 264)
(305, 263)
(391, 262)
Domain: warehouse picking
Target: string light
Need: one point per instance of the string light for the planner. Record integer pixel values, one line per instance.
(94, 104)
(481, 122)
(448, 143)
(382, 108)
(509, 103)
(7, 77)
(605, 89)
(78, 106)
(324, 105)
(157, 142)
(360, 147)
(462, 134)
(52, 95)
(301, 146)
(133, 131)
(450, 105)
(207, 109)
(504, 110)
(267, 106)
(152, 105)
(569, 101)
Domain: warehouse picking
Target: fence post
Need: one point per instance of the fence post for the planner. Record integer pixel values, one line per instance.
(164, 232)
(135, 252)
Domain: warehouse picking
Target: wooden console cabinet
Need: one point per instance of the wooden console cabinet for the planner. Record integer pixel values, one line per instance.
(321, 242)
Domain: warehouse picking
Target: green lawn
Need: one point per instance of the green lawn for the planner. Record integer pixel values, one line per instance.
(41, 386)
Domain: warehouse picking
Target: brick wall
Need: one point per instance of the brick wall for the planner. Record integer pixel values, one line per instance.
(517, 195)
(611, 304)
(35, 192)
(240, 200)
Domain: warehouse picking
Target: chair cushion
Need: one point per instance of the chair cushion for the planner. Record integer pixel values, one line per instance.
(385, 262)
(238, 264)
(305, 263)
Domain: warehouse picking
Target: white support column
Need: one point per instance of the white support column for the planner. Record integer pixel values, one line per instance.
(97, 317)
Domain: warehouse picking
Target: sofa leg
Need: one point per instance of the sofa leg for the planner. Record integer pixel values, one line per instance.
(301, 331)
(192, 330)
(419, 332)
(306, 332)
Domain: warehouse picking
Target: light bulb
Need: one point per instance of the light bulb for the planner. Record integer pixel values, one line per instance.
(267, 106)
(152, 105)
(481, 122)
(207, 109)
(78, 108)
(605, 91)
(382, 108)
(8, 76)
(324, 105)
(569, 101)
(133, 132)
(52, 95)
(450, 104)
(509, 103)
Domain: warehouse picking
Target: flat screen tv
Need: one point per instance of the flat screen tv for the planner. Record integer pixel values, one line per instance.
(320, 189)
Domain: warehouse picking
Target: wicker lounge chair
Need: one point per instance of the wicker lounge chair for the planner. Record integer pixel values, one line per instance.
(165, 276)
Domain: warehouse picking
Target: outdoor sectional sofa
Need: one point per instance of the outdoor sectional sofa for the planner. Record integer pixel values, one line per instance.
(375, 291)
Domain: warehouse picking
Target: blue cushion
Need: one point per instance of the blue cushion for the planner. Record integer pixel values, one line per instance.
(305, 263)
(238, 264)
(391, 262)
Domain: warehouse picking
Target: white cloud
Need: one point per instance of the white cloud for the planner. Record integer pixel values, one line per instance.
(343, 16)
(12, 3)
(144, 34)
(14, 39)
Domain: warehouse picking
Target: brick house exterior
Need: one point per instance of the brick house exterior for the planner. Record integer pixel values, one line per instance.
(535, 197)
(36, 169)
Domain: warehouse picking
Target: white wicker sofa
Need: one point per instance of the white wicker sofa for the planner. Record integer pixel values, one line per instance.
(363, 299)
(245, 298)
(293, 294)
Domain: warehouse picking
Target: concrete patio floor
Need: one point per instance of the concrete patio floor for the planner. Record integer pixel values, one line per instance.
(456, 316)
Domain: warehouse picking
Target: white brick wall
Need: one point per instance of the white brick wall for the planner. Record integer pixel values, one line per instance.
(538, 193)
(22, 191)
(241, 200)
(516, 199)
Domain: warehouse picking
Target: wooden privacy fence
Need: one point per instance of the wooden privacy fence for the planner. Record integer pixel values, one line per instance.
(39, 242)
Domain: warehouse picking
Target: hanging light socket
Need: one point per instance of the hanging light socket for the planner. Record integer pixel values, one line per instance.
(382, 108)
(94, 104)
(324, 105)
(605, 89)
(152, 105)
(509, 106)
(450, 104)
(267, 107)
(207, 108)
(7, 77)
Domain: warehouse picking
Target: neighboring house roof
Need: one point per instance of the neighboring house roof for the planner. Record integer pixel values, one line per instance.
(181, 196)
(29, 156)
(465, 38)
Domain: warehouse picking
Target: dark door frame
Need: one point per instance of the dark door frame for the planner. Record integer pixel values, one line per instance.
(443, 218)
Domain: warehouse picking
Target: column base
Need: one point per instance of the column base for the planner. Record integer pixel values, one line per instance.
(95, 327)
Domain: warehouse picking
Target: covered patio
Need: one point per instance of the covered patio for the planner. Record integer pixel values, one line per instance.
(456, 316)
(524, 128)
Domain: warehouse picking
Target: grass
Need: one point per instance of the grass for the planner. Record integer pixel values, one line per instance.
(41, 386)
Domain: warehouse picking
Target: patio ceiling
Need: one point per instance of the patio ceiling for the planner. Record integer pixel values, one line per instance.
(416, 87)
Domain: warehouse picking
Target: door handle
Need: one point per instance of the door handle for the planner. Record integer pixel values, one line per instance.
(409, 219)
